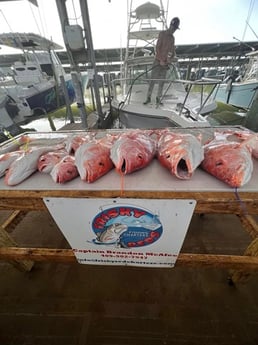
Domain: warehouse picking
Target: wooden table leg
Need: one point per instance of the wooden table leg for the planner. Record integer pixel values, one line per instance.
(13, 220)
(251, 226)
(7, 241)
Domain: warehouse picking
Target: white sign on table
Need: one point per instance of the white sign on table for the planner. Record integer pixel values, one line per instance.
(131, 232)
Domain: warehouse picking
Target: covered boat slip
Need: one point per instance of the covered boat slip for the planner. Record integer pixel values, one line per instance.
(152, 182)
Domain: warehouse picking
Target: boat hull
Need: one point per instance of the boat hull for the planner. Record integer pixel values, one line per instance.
(238, 94)
(131, 116)
(133, 120)
(49, 100)
(8, 111)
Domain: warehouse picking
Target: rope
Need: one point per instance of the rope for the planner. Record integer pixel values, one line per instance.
(251, 6)
(6, 21)
(242, 204)
(36, 22)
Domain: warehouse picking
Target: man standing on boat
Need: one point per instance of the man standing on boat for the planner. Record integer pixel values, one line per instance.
(165, 52)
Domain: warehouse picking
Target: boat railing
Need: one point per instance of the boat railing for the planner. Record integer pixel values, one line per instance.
(202, 85)
(205, 87)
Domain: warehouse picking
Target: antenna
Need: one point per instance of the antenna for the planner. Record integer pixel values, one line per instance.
(252, 30)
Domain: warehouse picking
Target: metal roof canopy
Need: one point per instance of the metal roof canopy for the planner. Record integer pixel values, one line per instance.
(183, 51)
(216, 49)
(187, 51)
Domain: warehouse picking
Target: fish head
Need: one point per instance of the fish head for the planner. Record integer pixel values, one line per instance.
(74, 142)
(47, 161)
(130, 156)
(93, 161)
(231, 163)
(108, 140)
(251, 142)
(97, 166)
(65, 170)
(6, 160)
(175, 157)
(180, 154)
(19, 170)
(81, 139)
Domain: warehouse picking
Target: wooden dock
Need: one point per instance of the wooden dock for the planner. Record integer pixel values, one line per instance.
(93, 122)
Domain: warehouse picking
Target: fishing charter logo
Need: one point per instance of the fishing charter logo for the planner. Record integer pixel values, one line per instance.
(126, 227)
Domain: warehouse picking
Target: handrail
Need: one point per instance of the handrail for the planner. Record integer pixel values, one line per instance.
(190, 83)
(203, 81)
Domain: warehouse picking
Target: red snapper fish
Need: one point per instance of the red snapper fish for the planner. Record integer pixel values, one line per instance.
(47, 161)
(180, 153)
(65, 170)
(92, 160)
(6, 160)
(25, 165)
(132, 151)
(73, 142)
(229, 161)
(249, 139)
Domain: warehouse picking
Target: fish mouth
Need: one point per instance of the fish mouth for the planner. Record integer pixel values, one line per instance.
(127, 167)
(60, 178)
(42, 167)
(123, 166)
(182, 169)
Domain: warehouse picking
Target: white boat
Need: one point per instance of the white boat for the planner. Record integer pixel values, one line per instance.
(35, 83)
(242, 90)
(184, 103)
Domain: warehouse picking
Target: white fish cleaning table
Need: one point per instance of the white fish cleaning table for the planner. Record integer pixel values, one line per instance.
(153, 182)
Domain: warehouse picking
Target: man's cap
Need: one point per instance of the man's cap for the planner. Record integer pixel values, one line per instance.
(175, 22)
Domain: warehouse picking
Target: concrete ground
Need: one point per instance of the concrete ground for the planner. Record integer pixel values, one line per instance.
(103, 305)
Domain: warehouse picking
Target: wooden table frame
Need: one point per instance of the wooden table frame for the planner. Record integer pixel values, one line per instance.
(216, 199)
(207, 202)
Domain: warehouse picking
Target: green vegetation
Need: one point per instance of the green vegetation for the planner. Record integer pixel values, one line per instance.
(226, 114)
(62, 113)
(227, 107)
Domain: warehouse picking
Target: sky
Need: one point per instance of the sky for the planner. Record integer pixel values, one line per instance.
(201, 21)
